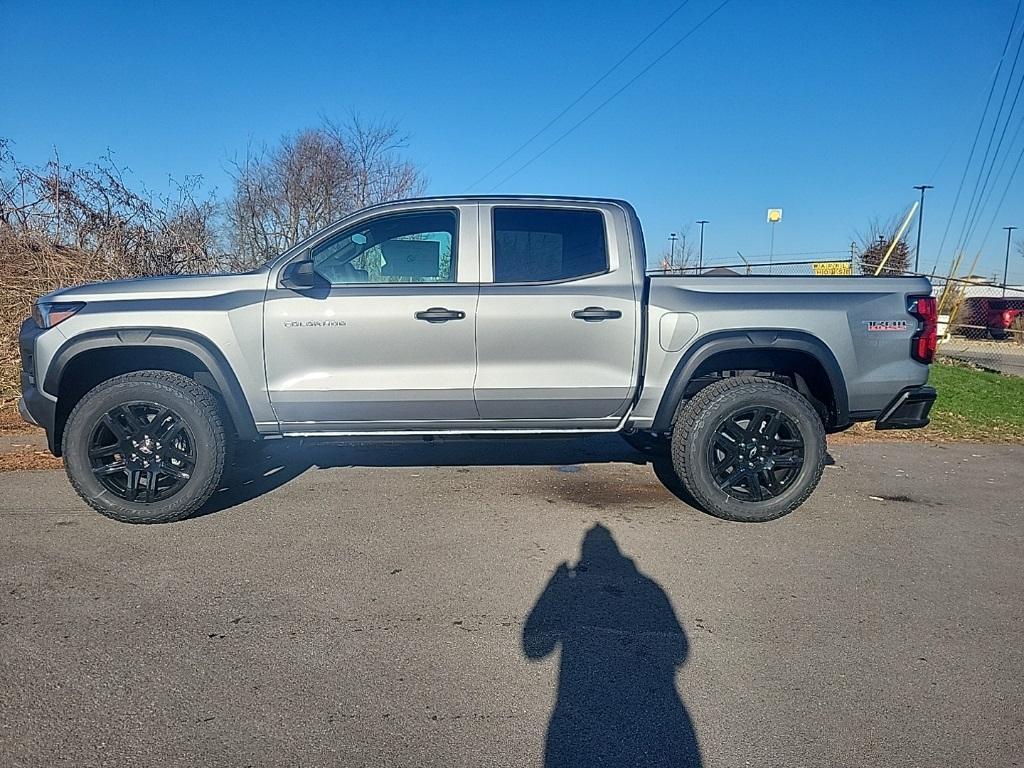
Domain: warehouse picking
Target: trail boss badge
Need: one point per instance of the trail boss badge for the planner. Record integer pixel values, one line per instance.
(886, 325)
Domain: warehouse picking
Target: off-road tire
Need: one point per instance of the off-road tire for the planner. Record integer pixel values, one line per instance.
(698, 419)
(193, 403)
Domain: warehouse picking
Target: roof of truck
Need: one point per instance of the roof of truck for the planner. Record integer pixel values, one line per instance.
(546, 198)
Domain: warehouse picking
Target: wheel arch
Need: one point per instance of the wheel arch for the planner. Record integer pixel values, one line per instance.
(789, 352)
(95, 356)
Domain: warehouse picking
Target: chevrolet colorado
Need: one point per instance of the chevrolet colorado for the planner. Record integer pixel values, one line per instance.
(472, 316)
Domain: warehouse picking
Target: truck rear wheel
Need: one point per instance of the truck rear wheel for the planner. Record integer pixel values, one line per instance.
(145, 447)
(748, 449)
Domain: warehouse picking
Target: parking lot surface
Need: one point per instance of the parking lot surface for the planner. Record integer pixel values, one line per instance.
(520, 604)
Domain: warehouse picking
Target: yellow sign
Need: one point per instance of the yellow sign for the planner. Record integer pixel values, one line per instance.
(833, 268)
(774, 215)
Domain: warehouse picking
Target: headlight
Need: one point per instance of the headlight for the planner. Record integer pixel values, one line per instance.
(49, 314)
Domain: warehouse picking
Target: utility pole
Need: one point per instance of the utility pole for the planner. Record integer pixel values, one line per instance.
(672, 252)
(1006, 264)
(700, 257)
(920, 222)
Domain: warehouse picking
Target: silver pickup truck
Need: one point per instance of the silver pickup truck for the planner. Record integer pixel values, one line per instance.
(473, 316)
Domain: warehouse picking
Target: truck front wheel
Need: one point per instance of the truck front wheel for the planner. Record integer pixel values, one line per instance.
(748, 449)
(145, 447)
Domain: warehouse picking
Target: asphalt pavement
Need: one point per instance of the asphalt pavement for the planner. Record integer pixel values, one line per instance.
(522, 603)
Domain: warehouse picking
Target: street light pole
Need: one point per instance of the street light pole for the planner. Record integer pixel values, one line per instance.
(920, 222)
(774, 217)
(700, 257)
(1006, 264)
(672, 252)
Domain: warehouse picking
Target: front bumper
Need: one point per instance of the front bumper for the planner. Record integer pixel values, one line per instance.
(26, 414)
(908, 410)
(33, 406)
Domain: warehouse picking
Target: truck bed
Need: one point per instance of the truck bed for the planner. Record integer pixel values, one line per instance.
(862, 321)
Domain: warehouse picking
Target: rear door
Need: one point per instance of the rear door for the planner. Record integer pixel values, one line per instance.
(557, 318)
(387, 343)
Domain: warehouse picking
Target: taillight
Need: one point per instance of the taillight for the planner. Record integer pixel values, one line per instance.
(1008, 318)
(922, 346)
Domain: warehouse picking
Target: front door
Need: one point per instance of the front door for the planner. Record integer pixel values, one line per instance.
(387, 341)
(557, 320)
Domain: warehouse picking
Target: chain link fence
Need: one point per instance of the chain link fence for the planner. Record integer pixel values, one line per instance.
(981, 322)
(836, 268)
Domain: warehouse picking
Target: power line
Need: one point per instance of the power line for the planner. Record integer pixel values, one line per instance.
(585, 93)
(980, 185)
(605, 103)
(977, 135)
(1002, 198)
(999, 174)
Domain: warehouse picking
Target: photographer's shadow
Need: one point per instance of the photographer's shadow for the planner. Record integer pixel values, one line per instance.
(621, 646)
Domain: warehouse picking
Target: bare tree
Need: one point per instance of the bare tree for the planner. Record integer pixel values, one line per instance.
(310, 179)
(681, 256)
(379, 171)
(874, 242)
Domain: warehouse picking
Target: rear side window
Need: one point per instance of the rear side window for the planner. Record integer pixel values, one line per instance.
(534, 245)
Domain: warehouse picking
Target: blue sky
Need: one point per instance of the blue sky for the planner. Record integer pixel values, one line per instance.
(831, 110)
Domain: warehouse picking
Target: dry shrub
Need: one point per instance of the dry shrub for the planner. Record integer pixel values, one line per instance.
(33, 267)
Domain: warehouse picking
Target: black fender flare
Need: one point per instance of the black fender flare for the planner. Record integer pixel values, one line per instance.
(195, 344)
(762, 340)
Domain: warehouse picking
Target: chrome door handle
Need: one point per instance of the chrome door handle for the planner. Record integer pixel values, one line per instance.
(596, 314)
(440, 315)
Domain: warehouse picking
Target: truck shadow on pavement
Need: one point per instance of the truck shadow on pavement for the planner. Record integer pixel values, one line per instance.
(621, 646)
(259, 468)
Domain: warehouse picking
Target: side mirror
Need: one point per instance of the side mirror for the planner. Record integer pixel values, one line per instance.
(299, 276)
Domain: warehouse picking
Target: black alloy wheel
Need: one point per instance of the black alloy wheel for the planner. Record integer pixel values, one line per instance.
(755, 454)
(142, 451)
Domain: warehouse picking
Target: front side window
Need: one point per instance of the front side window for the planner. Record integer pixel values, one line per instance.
(543, 244)
(403, 248)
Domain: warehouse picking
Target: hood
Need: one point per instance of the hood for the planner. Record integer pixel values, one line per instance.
(166, 286)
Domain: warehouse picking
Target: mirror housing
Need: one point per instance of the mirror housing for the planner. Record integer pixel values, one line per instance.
(299, 275)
